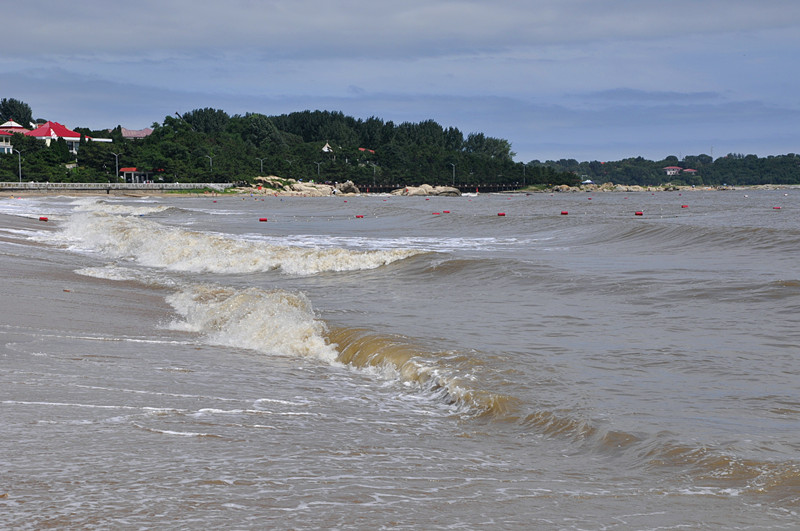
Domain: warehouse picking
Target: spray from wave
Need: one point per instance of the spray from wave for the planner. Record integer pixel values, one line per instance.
(438, 375)
(277, 322)
(274, 322)
(155, 245)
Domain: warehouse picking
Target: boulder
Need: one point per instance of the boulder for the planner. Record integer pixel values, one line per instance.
(347, 187)
(447, 191)
(426, 190)
(312, 189)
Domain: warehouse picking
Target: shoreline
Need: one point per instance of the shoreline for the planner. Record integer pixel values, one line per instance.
(243, 192)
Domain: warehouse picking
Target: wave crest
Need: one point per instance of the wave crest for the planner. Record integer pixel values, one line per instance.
(155, 245)
(273, 322)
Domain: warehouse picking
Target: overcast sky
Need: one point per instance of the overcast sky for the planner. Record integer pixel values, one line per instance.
(583, 79)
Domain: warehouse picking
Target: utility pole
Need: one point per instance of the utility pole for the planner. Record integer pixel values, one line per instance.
(116, 157)
(19, 164)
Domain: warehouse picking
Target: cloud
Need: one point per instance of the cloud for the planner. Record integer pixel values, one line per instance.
(586, 78)
(378, 28)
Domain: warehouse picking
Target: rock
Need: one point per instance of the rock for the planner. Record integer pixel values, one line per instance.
(447, 191)
(347, 187)
(312, 189)
(427, 190)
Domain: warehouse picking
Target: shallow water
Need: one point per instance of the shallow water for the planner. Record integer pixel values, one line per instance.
(175, 362)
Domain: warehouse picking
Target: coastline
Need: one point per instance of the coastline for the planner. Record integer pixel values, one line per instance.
(309, 192)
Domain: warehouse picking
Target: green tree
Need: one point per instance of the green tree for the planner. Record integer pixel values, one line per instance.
(12, 109)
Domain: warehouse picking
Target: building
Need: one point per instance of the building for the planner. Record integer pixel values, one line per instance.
(5, 143)
(13, 127)
(672, 170)
(133, 175)
(50, 131)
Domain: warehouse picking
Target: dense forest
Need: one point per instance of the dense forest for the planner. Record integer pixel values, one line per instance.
(208, 145)
(733, 169)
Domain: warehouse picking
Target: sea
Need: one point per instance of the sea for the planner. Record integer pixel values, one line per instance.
(576, 361)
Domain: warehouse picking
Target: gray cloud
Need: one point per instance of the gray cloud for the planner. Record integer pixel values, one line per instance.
(580, 77)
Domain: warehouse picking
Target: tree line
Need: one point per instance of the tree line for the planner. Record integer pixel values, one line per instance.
(209, 145)
(734, 169)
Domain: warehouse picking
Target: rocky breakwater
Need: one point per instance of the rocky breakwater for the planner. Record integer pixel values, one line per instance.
(611, 187)
(427, 190)
(291, 187)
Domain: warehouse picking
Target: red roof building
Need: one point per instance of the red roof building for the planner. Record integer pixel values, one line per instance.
(54, 130)
(12, 127)
(50, 131)
(5, 142)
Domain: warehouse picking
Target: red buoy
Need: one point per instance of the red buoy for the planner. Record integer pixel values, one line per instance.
(359, 216)
(42, 218)
(684, 206)
(640, 213)
(437, 213)
(773, 208)
(501, 214)
(564, 212)
(262, 219)
(445, 211)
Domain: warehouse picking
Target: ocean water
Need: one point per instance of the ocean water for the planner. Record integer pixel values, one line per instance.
(394, 362)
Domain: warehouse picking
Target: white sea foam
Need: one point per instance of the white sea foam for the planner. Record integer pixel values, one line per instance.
(420, 243)
(110, 273)
(109, 207)
(155, 245)
(273, 322)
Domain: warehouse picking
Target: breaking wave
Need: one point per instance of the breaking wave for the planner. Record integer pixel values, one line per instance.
(274, 322)
(155, 245)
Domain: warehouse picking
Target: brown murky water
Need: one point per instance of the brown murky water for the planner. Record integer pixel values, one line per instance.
(176, 363)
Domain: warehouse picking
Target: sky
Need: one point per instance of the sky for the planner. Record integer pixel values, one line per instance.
(575, 79)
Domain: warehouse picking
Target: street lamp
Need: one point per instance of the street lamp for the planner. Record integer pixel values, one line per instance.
(19, 164)
(317, 163)
(210, 163)
(116, 157)
(262, 165)
(454, 173)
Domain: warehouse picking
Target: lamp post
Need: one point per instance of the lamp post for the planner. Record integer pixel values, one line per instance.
(210, 163)
(116, 158)
(262, 165)
(454, 173)
(19, 164)
(317, 163)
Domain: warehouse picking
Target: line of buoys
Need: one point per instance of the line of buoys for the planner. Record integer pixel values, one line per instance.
(262, 219)
(501, 214)
(638, 213)
(564, 212)
(42, 218)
